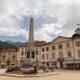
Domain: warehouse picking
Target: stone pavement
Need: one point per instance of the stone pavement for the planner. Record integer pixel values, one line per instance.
(63, 75)
(2, 71)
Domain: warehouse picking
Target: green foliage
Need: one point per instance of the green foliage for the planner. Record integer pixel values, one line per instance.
(5, 45)
(13, 68)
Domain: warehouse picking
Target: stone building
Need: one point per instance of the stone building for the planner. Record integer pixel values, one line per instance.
(8, 56)
(60, 51)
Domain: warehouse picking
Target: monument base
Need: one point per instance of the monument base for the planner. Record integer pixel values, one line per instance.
(30, 58)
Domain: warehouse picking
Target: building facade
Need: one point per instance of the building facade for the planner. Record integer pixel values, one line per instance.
(8, 57)
(60, 51)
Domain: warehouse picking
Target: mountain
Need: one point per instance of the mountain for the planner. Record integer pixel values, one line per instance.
(17, 44)
(5, 45)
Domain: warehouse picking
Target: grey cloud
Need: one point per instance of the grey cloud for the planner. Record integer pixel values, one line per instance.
(65, 14)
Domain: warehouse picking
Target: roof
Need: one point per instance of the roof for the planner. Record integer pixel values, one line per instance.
(61, 37)
(77, 29)
(11, 50)
(36, 43)
(43, 43)
(76, 36)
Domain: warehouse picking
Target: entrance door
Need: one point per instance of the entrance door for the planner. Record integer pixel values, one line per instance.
(61, 59)
(47, 64)
(61, 64)
(8, 62)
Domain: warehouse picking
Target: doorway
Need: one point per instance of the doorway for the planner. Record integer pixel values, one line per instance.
(61, 64)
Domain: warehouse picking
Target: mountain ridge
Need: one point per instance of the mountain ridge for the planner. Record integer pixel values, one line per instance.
(9, 44)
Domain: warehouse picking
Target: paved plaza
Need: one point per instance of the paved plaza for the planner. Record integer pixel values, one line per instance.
(62, 75)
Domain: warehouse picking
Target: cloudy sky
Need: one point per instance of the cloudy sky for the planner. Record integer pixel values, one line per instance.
(52, 18)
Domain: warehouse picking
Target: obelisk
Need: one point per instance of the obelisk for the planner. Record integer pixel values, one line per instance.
(31, 51)
(31, 34)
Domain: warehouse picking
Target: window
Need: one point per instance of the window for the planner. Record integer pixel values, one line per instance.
(43, 49)
(68, 45)
(60, 54)
(47, 56)
(22, 49)
(79, 53)
(43, 56)
(53, 47)
(26, 49)
(28, 54)
(4, 57)
(69, 54)
(36, 48)
(22, 58)
(33, 55)
(22, 53)
(36, 52)
(47, 48)
(9, 54)
(13, 57)
(60, 46)
(53, 55)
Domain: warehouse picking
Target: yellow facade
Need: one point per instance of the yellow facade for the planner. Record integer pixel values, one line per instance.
(69, 51)
(65, 49)
(8, 56)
